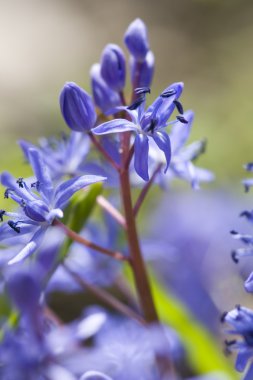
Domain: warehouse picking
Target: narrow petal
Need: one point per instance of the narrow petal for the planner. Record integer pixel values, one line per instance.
(141, 148)
(30, 247)
(180, 132)
(65, 191)
(10, 182)
(162, 140)
(114, 126)
(249, 374)
(42, 174)
(242, 360)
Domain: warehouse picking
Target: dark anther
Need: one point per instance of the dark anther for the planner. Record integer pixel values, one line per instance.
(2, 212)
(234, 257)
(13, 225)
(168, 93)
(20, 182)
(229, 343)
(182, 119)
(245, 213)
(136, 103)
(22, 203)
(142, 90)
(238, 307)
(233, 232)
(152, 125)
(179, 106)
(246, 188)
(36, 185)
(6, 193)
(223, 316)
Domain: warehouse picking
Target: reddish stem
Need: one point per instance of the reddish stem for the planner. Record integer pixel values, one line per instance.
(79, 239)
(103, 152)
(106, 297)
(145, 190)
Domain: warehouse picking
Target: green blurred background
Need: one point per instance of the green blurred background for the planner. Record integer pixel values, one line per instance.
(205, 43)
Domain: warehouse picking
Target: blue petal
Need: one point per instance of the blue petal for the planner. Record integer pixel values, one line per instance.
(180, 132)
(242, 359)
(141, 148)
(10, 182)
(94, 375)
(30, 247)
(162, 140)
(114, 126)
(65, 191)
(249, 374)
(42, 174)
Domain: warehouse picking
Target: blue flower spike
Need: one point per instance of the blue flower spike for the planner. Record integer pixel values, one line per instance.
(77, 108)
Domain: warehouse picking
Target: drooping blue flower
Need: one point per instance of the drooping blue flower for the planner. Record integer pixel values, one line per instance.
(113, 67)
(63, 156)
(39, 203)
(77, 108)
(147, 124)
(182, 157)
(241, 321)
(104, 97)
(136, 39)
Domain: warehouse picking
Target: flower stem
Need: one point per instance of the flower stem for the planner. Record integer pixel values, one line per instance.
(79, 239)
(138, 266)
(104, 296)
(145, 190)
(107, 206)
(103, 151)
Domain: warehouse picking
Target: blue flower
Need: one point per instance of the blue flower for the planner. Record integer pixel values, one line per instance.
(40, 203)
(248, 183)
(241, 321)
(182, 157)
(77, 108)
(136, 39)
(64, 156)
(147, 124)
(113, 67)
(142, 73)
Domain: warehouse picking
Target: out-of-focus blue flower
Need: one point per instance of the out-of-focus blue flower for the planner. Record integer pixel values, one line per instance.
(136, 39)
(147, 124)
(248, 183)
(241, 321)
(113, 67)
(127, 350)
(142, 72)
(86, 263)
(104, 97)
(94, 375)
(64, 156)
(182, 157)
(77, 108)
(40, 203)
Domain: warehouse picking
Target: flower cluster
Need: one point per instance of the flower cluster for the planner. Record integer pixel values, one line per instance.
(51, 249)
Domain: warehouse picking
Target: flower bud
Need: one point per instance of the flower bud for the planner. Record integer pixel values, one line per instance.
(104, 97)
(142, 72)
(136, 39)
(77, 108)
(113, 67)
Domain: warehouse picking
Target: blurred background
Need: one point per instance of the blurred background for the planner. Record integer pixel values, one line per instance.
(205, 43)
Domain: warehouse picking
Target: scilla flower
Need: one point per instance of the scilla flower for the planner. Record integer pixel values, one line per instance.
(147, 124)
(40, 203)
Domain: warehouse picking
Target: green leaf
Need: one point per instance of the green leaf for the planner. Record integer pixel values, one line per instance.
(204, 352)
